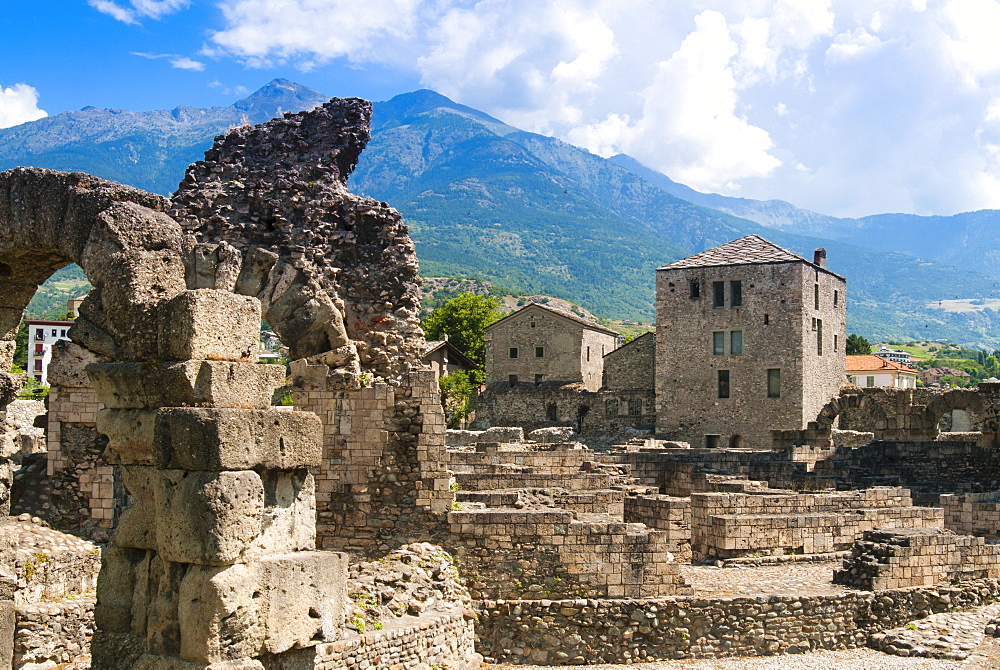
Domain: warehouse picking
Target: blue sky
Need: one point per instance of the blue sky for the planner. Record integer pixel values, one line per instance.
(846, 107)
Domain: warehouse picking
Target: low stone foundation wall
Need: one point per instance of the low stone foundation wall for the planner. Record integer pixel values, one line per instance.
(972, 513)
(441, 640)
(52, 633)
(523, 480)
(665, 513)
(728, 525)
(891, 558)
(562, 632)
(507, 553)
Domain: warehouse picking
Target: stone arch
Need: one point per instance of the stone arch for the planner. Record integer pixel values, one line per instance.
(964, 399)
(126, 245)
(862, 402)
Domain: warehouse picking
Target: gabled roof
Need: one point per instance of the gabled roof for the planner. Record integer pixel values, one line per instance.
(557, 312)
(871, 362)
(749, 250)
(639, 339)
(459, 357)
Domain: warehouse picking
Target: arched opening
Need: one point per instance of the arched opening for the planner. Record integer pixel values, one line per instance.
(956, 412)
(581, 414)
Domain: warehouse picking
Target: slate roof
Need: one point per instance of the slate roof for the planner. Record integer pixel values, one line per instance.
(867, 362)
(749, 250)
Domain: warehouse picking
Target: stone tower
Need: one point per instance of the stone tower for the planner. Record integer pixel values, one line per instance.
(750, 338)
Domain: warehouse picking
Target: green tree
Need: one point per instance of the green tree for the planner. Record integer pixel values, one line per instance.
(21, 346)
(991, 368)
(857, 345)
(456, 395)
(464, 319)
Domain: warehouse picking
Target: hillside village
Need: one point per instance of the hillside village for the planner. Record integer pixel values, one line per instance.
(716, 488)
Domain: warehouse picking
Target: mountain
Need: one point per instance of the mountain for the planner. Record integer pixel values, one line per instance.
(488, 201)
(149, 150)
(970, 240)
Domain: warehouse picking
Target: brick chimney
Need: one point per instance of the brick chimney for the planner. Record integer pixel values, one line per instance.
(819, 257)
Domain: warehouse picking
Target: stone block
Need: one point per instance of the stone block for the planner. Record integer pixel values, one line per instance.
(211, 325)
(289, 521)
(7, 623)
(10, 386)
(129, 433)
(234, 612)
(137, 523)
(68, 366)
(116, 586)
(7, 353)
(198, 383)
(236, 439)
(208, 518)
(220, 610)
(195, 438)
(304, 595)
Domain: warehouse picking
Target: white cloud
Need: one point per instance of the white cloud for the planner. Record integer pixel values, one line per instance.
(888, 102)
(176, 60)
(311, 32)
(152, 9)
(690, 127)
(185, 63)
(19, 104)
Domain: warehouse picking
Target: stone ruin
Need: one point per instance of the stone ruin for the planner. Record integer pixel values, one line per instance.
(244, 535)
(213, 560)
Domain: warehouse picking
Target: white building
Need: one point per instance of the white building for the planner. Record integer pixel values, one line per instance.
(868, 370)
(894, 355)
(41, 336)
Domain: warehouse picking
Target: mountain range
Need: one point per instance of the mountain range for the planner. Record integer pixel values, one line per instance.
(537, 215)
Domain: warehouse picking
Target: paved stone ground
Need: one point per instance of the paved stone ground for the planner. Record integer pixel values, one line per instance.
(782, 579)
(951, 635)
(987, 658)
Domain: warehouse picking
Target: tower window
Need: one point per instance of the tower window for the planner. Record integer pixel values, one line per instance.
(774, 383)
(718, 343)
(513, 352)
(836, 298)
(819, 337)
(736, 342)
(718, 294)
(539, 352)
(694, 285)
(735, 293)
(723, 383)
(816, 295)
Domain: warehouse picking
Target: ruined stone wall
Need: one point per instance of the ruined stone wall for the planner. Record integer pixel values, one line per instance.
(669, 514)
(896, 558)
(680, 472)
(678, 628)
(776, 320)
(532, 407)
(632, 366)
(383, 479)
(925, 467)
(972, 513)
(728, 525)
(593, 347)
(509, 554)
(438, 640)
(489, 457)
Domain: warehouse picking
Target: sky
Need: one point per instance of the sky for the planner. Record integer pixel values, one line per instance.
(844, 107)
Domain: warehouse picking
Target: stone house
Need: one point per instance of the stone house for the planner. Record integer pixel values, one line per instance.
(539, 344)
(868, 370)
(750, 337)
(932, 376)
(443, 357)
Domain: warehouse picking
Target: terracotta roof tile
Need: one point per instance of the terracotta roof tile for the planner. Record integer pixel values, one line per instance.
(872, 362)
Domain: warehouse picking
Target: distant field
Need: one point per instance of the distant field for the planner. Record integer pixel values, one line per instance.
(965, 305)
